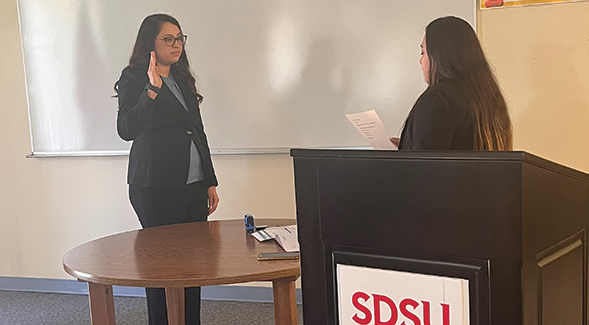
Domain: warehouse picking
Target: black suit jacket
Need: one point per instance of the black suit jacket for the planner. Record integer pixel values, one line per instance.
(161, 131)
(439, 120)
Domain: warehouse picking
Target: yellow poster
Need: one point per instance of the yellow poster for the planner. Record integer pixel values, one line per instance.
(513, 3)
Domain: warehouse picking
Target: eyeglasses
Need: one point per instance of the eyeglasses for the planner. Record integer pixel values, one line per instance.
(171, 41)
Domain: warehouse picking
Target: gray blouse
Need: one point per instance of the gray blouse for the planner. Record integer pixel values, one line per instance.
(195, 172)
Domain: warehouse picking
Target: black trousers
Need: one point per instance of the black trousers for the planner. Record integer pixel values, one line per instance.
(158, 207)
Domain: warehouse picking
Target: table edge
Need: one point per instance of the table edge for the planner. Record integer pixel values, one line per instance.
(174, 283)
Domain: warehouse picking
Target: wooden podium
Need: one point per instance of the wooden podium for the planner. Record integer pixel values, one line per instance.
(513, 224)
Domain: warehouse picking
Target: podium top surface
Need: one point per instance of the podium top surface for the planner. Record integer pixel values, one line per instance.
(491, 156)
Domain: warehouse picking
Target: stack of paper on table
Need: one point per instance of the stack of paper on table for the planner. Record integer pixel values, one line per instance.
(285, 236)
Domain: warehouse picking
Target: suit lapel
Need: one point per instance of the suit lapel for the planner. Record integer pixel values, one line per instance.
(190, 101)
(194, 113)
(177, 106)
(188, 119)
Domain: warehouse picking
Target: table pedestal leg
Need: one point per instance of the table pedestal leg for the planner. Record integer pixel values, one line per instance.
(175, 303)
(285, 302)
(102, 307)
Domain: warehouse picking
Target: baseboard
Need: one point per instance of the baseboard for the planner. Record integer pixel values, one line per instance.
(228, 293)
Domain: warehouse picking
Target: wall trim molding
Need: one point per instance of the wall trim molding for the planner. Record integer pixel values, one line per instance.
(224, 292)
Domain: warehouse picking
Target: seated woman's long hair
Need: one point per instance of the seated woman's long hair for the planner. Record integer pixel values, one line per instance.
(455, 54)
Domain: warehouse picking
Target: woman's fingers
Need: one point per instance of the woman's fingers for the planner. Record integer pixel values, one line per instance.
(153, 72)
(395, 141)
(151, 61)
(213, 199)
(213, 204)
(150, 69)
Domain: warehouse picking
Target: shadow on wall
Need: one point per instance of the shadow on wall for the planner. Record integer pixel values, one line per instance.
(316, 98)
(97, 130)
(556, 122)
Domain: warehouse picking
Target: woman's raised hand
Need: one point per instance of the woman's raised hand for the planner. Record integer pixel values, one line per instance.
(153, 72)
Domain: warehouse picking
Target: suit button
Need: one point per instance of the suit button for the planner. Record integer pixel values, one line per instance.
(189, 132)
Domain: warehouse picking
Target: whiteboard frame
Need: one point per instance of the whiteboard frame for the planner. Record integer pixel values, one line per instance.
(122, 153)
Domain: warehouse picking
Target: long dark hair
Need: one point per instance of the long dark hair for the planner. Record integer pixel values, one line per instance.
(145, 43)
(455, 54)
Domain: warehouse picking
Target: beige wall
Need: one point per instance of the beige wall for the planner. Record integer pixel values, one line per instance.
(48, 206)
(541, 55)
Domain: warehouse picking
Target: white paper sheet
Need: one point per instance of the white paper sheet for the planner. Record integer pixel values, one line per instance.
(371, 127)
(286, 237)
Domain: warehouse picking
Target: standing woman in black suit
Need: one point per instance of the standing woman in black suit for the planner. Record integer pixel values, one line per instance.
(462, 108)
(171, 177)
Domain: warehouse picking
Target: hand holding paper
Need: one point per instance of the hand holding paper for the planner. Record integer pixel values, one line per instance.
(396, 141)
(371, 127)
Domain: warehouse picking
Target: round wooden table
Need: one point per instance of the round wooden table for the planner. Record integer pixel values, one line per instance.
(178, 256)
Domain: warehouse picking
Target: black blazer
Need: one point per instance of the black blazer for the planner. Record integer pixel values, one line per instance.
(161, 131)
(439, 120)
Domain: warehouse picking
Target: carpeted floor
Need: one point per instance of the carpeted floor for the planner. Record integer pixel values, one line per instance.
(26, 308)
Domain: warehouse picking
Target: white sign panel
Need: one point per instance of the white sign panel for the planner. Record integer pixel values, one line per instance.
(368, 296)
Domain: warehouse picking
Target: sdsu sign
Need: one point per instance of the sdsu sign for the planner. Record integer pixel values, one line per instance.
(368, 296)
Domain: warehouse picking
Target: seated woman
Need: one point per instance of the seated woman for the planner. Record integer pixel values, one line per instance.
(462, 108)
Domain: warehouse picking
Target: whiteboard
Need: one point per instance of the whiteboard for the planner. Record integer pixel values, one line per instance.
(274, 74)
